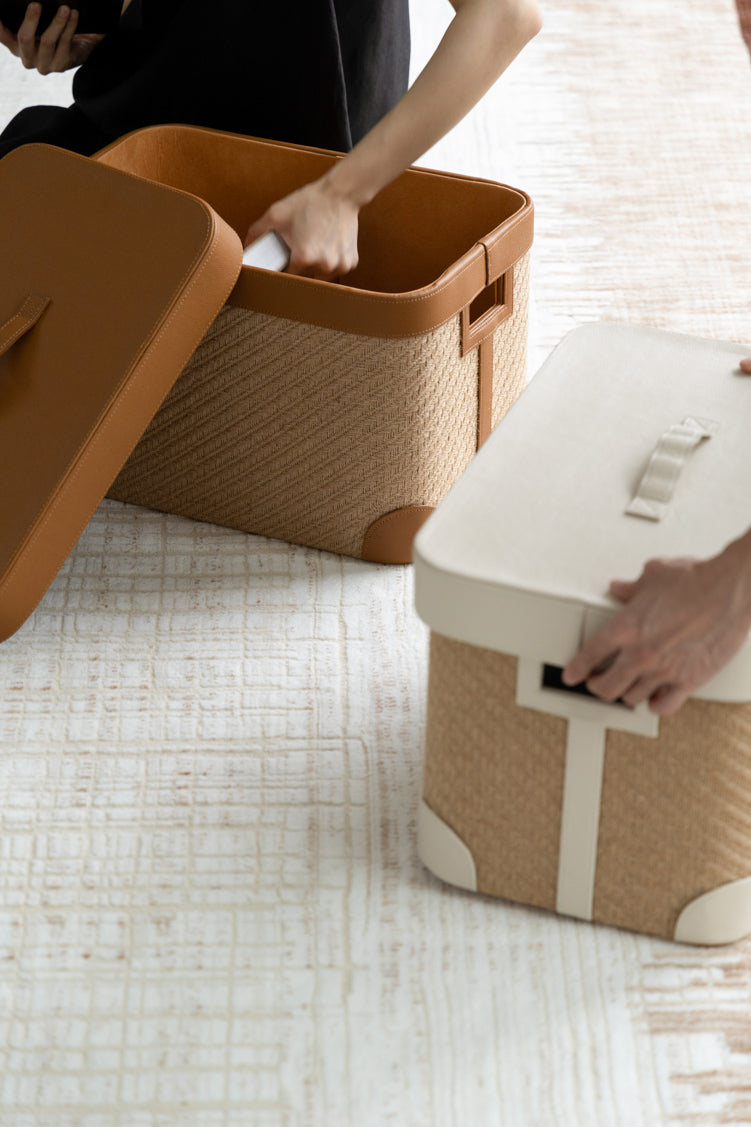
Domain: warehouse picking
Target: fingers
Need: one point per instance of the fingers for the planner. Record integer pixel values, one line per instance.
(54, 45)
(320, 231)
(601, 650)
(668, 699)
(324, 267)
(600, 653)
(27, 36)
(595, 657)
(260, 227)
(64, 50)
(643, 689)
(683, 620)
(623, 676)
(613, 664)
(622, 589)
(50, 51)
(663, 699)
(618, 677)
(303, 262)
(745, 366)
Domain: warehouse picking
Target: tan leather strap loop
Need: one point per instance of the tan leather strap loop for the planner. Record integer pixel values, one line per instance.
(20, 323)
(507, 243)
(500, 293)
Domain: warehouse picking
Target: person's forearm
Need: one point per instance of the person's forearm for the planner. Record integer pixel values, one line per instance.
(484, 37)
(319, 221)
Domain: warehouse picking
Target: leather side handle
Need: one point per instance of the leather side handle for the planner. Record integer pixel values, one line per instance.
(20, 323)
(500, 296)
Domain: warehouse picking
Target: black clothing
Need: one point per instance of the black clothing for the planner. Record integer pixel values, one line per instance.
(54, 125)
(318, 72)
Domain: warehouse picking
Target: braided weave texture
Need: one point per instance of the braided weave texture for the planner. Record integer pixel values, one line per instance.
(675, 816)
(494, 771)
(308, 434)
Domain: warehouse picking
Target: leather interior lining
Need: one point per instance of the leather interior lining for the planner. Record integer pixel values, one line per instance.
(429, 242)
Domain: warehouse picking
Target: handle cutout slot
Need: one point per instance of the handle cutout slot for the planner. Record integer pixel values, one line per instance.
(493, 305)
(552, 678)
(486, 299)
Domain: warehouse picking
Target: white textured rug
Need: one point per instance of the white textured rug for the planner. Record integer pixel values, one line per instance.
(211, 911)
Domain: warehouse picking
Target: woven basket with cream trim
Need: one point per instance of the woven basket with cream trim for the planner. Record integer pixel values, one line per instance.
(337, 416)
(630, 444)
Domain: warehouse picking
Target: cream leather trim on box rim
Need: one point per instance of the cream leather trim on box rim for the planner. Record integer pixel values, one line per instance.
(531, 624)
(718, 917)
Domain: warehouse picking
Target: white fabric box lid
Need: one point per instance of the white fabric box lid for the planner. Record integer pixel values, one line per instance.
(519, 555)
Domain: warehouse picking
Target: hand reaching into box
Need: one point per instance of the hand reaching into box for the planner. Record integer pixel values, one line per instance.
(319, 222)
(318, 225)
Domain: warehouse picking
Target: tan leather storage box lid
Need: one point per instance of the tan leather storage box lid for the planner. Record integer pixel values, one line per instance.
(108, 284)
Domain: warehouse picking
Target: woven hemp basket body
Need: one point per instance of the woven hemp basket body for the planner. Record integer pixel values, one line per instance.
(311, 435)
(675, 819)
(337, 416)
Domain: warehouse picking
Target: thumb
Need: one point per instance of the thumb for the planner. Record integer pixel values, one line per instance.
(623, 589)
(260, 227)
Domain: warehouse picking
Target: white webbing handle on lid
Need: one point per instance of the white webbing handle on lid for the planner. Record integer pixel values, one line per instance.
(664, 467)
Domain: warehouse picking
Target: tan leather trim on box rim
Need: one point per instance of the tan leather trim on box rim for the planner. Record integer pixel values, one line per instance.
(178, 128)
(367, 313)
(346, 308)
(389, 539)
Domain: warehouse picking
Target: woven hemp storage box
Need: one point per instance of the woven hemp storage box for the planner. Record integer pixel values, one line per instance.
(630, 443)
(337, 416)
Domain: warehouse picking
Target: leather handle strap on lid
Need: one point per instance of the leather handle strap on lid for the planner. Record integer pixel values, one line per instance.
(664, 467)
(20, 323)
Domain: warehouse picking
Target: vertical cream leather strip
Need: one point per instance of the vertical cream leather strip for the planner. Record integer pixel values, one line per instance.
(580, 821)
(588, 723)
